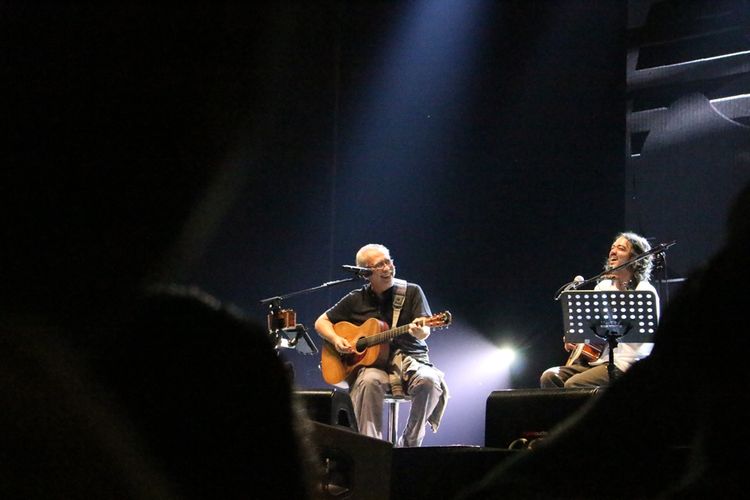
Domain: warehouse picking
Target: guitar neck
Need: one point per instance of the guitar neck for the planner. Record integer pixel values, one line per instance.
(387, 335)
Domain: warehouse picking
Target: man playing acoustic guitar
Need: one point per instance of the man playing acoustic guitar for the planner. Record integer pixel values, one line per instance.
(590, 368)
(370, 366)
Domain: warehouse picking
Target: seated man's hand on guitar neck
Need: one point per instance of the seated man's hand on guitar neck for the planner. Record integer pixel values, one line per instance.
(418, 330)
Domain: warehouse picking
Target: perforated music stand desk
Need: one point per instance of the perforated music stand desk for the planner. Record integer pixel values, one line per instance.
(590, 316)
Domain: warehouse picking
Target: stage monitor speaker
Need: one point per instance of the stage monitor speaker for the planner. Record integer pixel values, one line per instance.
(353, 466)
(441, 471)
(329, 406)
(521, 415)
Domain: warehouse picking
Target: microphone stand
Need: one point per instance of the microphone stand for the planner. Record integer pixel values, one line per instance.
(279, 319)
(279, 298)
(573, 285)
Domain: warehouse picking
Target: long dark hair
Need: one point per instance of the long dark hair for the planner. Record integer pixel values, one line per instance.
(642, 268)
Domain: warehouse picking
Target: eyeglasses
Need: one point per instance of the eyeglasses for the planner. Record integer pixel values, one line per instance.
(383, 264)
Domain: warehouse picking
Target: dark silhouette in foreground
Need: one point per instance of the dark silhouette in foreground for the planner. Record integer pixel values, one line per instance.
(121, 118)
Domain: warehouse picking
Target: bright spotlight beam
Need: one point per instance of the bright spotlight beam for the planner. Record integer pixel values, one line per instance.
(497, 360)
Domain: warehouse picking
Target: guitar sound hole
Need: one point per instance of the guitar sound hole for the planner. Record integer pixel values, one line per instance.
(361, 344)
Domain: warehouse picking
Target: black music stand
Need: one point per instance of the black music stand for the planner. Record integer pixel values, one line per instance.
(611, 315)
(285, 331)
(282, 323)
(291, 336)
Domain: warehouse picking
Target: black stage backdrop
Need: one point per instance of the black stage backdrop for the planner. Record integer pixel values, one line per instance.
(488, 155)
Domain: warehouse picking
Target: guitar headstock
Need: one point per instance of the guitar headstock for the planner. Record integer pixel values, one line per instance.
(439, 320)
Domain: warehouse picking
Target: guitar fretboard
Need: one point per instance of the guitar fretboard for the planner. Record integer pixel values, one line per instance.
(381, 337)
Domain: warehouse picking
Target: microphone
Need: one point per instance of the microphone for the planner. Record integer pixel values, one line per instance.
(664, 246)
(573, 285)
(362, 272)
(577, 281)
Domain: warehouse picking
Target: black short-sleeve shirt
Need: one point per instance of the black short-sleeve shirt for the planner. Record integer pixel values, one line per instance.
(362, 304)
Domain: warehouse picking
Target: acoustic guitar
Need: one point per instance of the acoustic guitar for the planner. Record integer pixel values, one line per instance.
(591, 352)
(370, 344)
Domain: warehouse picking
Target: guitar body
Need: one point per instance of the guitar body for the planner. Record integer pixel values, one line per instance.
(337, 367)
(590, 352)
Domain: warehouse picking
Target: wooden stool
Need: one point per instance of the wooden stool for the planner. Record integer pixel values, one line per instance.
(393, 402)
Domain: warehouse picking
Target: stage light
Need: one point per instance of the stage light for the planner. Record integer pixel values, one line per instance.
(505, 356)
(498, 359)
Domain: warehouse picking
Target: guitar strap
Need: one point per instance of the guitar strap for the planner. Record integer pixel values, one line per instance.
(395, 371)
(399, 296)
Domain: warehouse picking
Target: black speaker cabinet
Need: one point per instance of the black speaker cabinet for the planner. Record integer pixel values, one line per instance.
(515, 414)
(441, 471)
(353, 466)
(329, 406)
